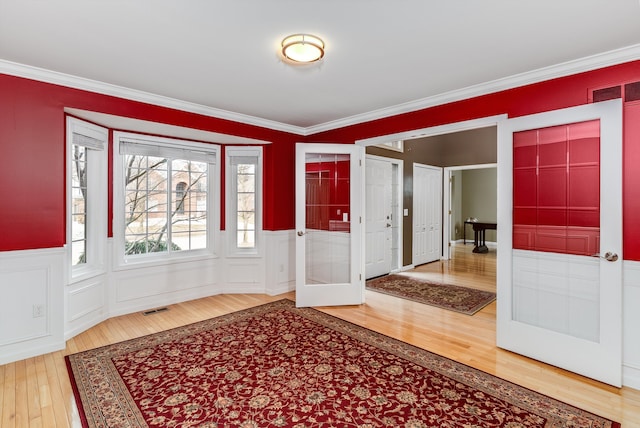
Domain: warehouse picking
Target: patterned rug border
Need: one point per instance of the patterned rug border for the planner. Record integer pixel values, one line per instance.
(472, 311)
(558, 412)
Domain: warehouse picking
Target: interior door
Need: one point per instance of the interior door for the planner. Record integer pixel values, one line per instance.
(379, 212)
(427, 213)
(329, 224)
(560, 238)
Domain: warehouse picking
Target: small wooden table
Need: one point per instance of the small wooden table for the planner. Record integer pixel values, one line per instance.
(479, 228)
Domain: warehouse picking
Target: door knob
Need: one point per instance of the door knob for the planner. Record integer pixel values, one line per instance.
(300, 233)
(608, 256)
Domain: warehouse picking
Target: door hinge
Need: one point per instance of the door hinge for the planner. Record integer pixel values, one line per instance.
(449, 243)
(360, 219)
(449, 212)
(360, 277)
(360, 162)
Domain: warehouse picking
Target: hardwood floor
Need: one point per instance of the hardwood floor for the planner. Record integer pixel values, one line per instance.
(36, 392)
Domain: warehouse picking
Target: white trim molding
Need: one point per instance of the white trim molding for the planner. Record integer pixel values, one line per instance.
(605, 59)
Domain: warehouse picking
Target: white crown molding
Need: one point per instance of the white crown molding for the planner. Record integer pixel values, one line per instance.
(75, 82)
(618, 56)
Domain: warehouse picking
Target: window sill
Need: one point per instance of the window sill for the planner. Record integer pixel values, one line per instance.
(143, 262)
(85, 273)
(254, 254)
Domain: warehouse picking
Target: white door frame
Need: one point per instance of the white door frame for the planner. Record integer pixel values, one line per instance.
(446, 203)
(397, 229)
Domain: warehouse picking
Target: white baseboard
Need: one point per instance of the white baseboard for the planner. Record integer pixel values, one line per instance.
(489, 244)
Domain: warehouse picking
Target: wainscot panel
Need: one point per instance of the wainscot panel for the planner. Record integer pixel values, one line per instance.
(32, 304)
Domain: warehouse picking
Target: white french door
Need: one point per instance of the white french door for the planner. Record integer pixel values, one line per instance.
(329, 224)
(379, 213)
(560, 238)
(427, 213)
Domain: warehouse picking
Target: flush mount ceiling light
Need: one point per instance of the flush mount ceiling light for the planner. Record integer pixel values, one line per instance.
(302, 48)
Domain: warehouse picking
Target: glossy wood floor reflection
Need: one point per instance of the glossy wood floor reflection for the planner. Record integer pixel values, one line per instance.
(36, 392)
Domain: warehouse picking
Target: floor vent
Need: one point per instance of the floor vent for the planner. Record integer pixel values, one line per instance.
(154, 311)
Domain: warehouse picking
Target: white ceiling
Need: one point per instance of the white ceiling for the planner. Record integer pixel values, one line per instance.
(221, 56)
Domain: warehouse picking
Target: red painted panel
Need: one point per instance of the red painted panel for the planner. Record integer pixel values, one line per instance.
(584, 186)
(552, 148)
(327, 192)
(631, 181)
(525, 147)
(552, 187)
(526, 183)
(567, 209)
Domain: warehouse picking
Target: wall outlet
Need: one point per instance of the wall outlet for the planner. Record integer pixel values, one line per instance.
(38, 311)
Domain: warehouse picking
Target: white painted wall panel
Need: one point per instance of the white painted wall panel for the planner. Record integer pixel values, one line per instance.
(29, 279)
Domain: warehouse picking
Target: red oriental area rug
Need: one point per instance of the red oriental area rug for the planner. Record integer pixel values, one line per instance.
(278, 366)
(446, 296)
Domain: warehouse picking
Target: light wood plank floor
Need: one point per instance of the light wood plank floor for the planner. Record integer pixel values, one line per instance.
(36, 392)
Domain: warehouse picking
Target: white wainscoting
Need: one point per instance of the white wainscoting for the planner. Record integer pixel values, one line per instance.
(558, 292)
(35, 277)
(32, 303)
(86, 304)
(631, 325)
(146, 287)
(328, 257)
(280, 251)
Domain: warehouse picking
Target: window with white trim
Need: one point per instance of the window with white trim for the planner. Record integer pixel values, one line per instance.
(87, 200)
(244, 200)
(163, 197)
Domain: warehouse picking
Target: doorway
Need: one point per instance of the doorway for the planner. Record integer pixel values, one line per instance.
(469, 191)
(478, 149)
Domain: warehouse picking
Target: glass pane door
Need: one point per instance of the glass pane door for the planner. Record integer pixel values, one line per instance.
(559, 260)
(328, 223)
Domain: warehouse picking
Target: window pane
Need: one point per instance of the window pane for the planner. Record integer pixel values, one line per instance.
(246, 220)
(246, 238)
(78, 205)
(246, 183)
(246, 202)
(165, 204)
(246, 168)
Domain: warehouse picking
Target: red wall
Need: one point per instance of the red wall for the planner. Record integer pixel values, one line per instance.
(32, 146)
(32, 158)
(549, 95)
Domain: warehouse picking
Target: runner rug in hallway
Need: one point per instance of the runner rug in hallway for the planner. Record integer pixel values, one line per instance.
(453, 297)
(278, 366)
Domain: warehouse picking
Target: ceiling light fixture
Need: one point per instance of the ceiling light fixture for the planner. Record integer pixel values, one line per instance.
(302, 48)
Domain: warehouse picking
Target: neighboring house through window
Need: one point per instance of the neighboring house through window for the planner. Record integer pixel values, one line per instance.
(163, 197)
(180, 196)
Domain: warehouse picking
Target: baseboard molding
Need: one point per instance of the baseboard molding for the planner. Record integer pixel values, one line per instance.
(631, 377)
(489, 244)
